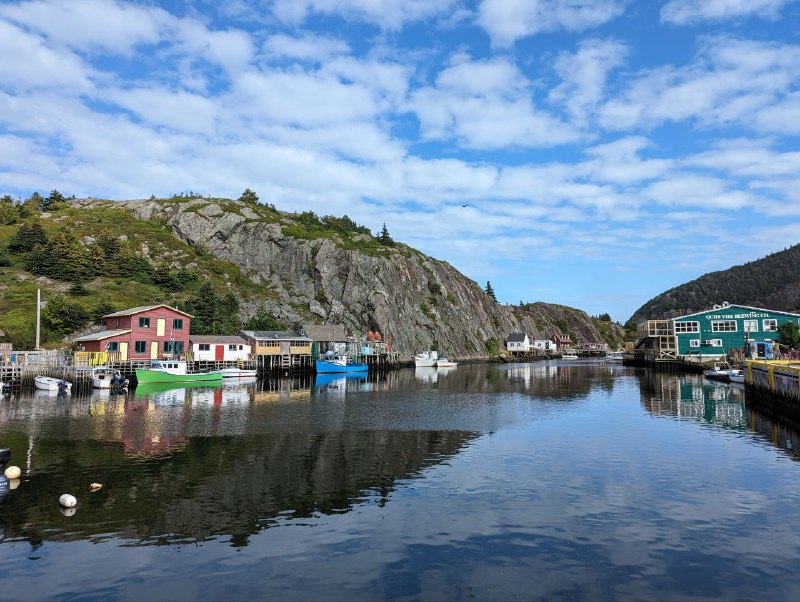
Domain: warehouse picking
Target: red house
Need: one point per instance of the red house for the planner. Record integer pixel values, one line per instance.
(148, 332)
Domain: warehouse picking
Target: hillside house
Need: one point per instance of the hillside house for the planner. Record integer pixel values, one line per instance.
(146, 332)
(327, 337)
(518, 343)
(544, 345)
(277, 342)
(562, 342)
(209, 348)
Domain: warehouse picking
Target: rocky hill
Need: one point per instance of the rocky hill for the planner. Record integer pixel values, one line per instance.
(772, 282)
(302, 269)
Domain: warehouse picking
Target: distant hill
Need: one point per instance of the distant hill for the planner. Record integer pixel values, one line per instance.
(233, 263)
(772, 282)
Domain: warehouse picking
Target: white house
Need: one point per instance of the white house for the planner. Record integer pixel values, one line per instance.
(518, 342)
(544, 345)
(209, 348)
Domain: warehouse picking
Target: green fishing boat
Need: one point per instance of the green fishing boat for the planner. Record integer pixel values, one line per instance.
(173, 371)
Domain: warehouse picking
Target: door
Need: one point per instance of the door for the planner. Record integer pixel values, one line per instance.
(161, 327)
(285, 347)
(123, 351)
(154, 350)
(219, 352)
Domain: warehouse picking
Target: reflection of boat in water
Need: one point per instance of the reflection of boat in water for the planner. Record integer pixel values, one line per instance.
(334, 381)
(150, 388)
(427, 374)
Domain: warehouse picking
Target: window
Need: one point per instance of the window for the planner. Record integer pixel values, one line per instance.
(177, 324)
(204, 347)
(750, 325)
(112, 346)
(231, 347)
(173, 347)
(714, 342)
(144, 322)
(723, 326)
(140, 346)
(694, 343)
(770, 325)
(117, 322)
(687, 326)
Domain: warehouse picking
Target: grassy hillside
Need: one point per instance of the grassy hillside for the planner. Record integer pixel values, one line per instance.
(772, 282)
(171, 272)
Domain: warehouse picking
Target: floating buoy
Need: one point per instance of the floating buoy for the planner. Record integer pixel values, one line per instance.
(68, 501)
(95, 487)
(13, 472)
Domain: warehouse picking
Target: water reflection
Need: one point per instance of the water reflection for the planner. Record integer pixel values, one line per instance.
(693, 396)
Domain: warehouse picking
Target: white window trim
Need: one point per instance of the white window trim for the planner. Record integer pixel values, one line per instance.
(716, 323)
(694, 343)
(771, 321)
(695, 327)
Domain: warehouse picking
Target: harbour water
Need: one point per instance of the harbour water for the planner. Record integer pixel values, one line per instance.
(573, 480)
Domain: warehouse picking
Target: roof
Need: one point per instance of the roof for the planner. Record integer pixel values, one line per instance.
(562, 338)
(210, 338)
(745, 307)
(275, 335)
(326, 333)
(516, 337)
(138, 310)
(105, 334)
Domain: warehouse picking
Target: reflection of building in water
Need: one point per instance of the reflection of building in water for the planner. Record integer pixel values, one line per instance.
(692, 396)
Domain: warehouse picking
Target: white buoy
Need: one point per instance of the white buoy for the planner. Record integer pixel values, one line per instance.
(68, 501)
(13, 472)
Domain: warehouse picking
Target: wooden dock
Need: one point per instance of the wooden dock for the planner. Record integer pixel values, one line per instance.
(774, 385)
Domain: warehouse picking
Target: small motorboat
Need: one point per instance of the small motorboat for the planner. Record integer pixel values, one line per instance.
(569, 356)
(443, 362)
(237, 373)
(736, 376)
(720, 371)
(48, 383)
(106, 378)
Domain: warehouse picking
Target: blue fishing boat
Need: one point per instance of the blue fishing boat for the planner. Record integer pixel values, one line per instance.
(339, 363)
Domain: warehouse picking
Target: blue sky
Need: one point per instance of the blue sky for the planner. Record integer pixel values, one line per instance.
(606, 150)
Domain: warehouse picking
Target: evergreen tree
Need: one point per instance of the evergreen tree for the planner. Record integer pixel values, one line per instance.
(61, 316)
(263, 320)
(490, 291)
(384, 237)
(28, 235)
(54, 202)
(789, 335)
(248, 196)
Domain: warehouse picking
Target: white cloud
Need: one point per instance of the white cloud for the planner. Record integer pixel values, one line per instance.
(29, 64)
(387, 14)
(683, 12)
(729, 83)
(507, 21)
(619, 162)
(584, 73)
(309, 47)
(90, 24)
(160, 107)
(486, 104)
(697, 191)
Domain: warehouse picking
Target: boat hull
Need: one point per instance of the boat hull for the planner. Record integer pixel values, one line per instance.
(237, 373)
(324, 367)
(46, 383)
(144, 376)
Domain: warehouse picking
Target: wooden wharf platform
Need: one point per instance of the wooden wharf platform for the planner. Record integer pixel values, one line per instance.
(774, 385)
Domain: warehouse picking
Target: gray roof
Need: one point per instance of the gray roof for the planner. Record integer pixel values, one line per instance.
(516, 337)
(143, 308)
(105, 334)
(210, 338)
(325, 333)
(274, 335)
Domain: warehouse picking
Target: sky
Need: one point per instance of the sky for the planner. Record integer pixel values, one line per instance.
(592, 153)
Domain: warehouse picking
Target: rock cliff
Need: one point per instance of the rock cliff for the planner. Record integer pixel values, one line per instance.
(324, 276)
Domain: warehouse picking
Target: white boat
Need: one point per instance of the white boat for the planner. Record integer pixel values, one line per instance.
(426, 359)
(48, 383)
(614, 358)
(443, 362)
(569, 356)
(736, 376)
(237, 373)
(106, 378)
(720, 371)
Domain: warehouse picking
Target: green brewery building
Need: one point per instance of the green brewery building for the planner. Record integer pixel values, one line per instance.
(711, 334)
